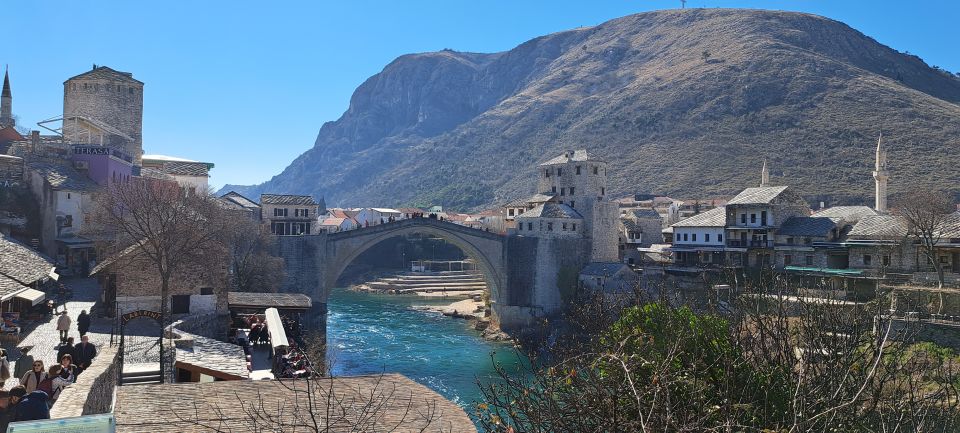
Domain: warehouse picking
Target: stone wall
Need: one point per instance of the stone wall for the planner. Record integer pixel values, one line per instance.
(945, 335)
(138, 286)
(93, 392)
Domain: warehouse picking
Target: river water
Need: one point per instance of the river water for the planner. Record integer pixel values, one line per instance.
(370, 333)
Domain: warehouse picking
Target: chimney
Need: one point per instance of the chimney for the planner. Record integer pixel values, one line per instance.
(34, 141)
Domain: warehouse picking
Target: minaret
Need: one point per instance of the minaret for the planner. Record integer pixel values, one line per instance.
(880, 175)
(6, 103)
(764, 175)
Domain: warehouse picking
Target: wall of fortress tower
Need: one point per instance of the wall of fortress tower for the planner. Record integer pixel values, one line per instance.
(114, 102)
(588, 182)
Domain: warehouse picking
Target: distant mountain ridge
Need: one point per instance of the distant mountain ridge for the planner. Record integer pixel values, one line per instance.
(685, 103)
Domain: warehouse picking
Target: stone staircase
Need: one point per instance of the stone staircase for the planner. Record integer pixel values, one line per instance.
(446, 281)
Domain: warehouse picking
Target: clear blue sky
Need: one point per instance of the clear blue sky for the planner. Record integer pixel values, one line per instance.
(247, 85)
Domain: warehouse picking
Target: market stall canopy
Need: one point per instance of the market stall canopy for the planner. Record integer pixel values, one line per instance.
(33, 296)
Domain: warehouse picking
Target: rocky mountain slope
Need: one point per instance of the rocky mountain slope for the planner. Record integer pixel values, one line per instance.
(685, 103)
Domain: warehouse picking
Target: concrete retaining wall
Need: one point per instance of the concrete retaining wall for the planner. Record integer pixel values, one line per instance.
(93, 392)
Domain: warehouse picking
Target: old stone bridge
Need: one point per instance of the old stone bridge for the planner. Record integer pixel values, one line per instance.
(521, 273)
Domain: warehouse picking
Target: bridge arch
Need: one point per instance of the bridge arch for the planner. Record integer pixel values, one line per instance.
(486, 248)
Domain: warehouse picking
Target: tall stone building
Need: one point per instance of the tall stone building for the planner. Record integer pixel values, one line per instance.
(579, 180)
(6, 103)
(104, 106)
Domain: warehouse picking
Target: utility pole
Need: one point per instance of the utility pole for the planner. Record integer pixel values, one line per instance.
(683, 4)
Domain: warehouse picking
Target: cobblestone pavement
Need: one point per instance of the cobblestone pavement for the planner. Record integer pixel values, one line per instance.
(142, 335)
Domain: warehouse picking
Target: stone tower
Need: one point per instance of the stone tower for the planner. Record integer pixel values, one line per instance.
(579, 180)
(880, 175)
(6, 103)
(764, 174)
(106, 106)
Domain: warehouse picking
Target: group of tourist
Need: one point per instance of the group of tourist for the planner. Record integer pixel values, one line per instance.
(40, 387)
(259, 334)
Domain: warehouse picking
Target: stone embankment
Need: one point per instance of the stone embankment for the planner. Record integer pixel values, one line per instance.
(431, 284)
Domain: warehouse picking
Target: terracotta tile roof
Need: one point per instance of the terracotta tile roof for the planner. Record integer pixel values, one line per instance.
(287, 199)
(193, 407)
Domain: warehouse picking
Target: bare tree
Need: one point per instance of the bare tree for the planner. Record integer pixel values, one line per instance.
(159, 223)
(252, 263)
(926, 213)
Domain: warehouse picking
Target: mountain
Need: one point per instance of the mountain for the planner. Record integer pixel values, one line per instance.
(685, 103)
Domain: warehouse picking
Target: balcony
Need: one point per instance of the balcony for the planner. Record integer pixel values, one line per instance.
(750, 244)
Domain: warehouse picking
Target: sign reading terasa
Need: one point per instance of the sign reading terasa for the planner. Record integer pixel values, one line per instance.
(139, 313)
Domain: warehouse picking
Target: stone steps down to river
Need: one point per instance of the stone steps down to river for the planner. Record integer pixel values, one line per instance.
(452, 281)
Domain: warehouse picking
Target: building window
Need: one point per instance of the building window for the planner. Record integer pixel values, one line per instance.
(68, 196)
(571, 201)
(510, 212)
(763, 217)
(301, 213)
(574, 227)
(280, 212)
(807, 241)
(571, 190)
(594, 169)
(564, 227)
(529, 226)
(603, 191)
(693, 237)
(546, 172)
(550, 227)
(886, 260)
(787, 259)
(553, 189)
(563, 191)
(753, 218)
(685, 237)
(578, 170)
(789, 241)
(867, 260)
(706, 237)
(559, 172)
(719, 238)
(743, 218)
(520, 226)
(206, 290)
(809, 260)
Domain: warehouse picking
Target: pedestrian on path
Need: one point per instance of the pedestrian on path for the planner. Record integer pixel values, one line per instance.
(53, 384)
(65, 349)
(24, 362)
(84, 352)
(4, 368)
(83, 323)
(30, 406)
(63, 325)
(31, 379)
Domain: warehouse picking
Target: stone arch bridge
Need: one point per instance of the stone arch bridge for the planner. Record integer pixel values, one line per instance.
(521, 272)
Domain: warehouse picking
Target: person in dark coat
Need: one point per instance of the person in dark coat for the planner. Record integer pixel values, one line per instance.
(83, 354)
(83, 323)
(28, 407)
(65, 349)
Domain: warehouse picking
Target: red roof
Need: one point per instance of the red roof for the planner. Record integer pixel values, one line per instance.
(9, 134)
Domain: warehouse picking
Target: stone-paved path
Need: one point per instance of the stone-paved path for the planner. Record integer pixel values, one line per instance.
(142, 335)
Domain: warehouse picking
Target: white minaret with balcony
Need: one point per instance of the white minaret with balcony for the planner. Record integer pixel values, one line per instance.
(881, 175)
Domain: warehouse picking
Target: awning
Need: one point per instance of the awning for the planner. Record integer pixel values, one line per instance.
(34, 296)
(75, 242)
(278, 337)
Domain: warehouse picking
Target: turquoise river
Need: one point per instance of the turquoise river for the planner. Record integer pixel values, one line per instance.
(371, 333)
